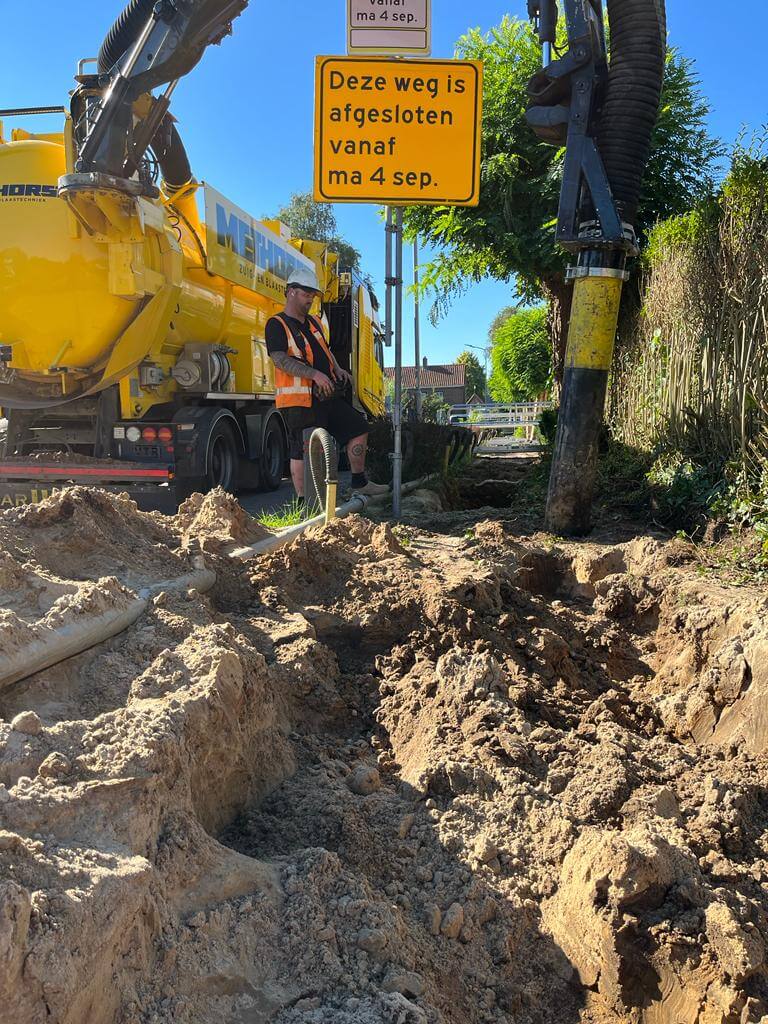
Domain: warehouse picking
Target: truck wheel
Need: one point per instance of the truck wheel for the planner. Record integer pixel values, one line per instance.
(273, 454)
(221, 464)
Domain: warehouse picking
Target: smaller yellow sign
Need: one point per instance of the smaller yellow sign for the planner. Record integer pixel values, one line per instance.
(398, 132)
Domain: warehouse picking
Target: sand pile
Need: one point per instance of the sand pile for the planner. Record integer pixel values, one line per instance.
(81, 557)
(391, 777)
(216, 521)
(83, 534)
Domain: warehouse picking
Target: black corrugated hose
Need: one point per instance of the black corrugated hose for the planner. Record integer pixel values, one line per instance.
(171, 155)
(638, 47)
(124, 33)
(323, 462)
(167, 145)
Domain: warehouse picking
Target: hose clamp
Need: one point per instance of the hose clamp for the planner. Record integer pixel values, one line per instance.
(575, 273)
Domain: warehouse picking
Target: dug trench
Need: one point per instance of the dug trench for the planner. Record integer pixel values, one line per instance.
(450, 775)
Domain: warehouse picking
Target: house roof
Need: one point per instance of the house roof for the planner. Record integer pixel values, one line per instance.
(432, 377)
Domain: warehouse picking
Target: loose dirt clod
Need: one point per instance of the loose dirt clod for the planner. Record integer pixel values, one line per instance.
(382, 776)
(364, 780)
(27, 722)
(216, 521)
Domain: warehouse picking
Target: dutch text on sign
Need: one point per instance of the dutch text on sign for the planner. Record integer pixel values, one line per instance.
(389, 26)
(398, 132)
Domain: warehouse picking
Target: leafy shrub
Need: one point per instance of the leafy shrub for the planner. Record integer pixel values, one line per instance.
(548, 427)
(683, 493)
(622, 480)
(521, 357)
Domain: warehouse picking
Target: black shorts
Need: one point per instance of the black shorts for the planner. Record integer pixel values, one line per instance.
(339, 418)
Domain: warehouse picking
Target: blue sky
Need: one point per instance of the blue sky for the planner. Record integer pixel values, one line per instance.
(246, 112)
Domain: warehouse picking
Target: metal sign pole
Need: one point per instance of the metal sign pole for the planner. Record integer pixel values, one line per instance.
(388, 278)
(417, 325)
(397, 411)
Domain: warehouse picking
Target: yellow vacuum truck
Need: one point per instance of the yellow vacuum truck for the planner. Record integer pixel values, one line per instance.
(133, 300)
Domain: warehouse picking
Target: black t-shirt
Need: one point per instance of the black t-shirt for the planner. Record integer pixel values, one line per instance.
(278, 342)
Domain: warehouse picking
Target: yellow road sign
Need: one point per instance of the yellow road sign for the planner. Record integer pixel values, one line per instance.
(398, 132)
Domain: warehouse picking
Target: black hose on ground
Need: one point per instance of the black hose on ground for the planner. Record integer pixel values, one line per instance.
(323, 462)
(638, 48)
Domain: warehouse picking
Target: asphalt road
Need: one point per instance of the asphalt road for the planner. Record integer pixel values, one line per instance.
(266, 501)
(507, 445)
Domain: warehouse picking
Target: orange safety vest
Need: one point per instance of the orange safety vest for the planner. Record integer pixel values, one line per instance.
(291, 391)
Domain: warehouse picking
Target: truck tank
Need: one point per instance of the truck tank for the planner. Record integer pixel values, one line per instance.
(85, 299)
(55, 305)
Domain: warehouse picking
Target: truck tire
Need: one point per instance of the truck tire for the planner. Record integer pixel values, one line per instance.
(274, 452)
(221, 464)
(222, 459)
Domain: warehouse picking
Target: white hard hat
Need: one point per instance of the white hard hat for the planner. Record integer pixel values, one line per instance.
(303, 277)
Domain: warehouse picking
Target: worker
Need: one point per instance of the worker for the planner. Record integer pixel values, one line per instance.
(311, 386)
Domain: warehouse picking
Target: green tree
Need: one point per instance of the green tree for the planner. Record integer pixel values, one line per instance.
(503, 315)
(317, 222)
(434, 408)
(684, 158)
(475, 375)
(511, 234)
(521, 357)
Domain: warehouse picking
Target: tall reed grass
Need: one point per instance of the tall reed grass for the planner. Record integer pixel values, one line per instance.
(691, 376)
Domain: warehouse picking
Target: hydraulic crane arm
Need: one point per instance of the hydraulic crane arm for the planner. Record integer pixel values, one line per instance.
(604, 113)
(152, 44)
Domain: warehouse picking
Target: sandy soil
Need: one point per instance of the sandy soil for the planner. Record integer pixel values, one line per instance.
(377, 776)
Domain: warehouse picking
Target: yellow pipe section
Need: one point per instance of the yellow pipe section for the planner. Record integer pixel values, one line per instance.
(330, 502)
(594, 321)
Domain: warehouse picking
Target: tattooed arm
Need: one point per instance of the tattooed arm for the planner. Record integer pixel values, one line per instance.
(296, 368)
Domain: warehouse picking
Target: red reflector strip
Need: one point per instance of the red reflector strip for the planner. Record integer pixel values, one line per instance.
(68, 472)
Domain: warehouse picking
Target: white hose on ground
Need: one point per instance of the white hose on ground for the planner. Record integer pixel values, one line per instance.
(57, 645)
(358, 503)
